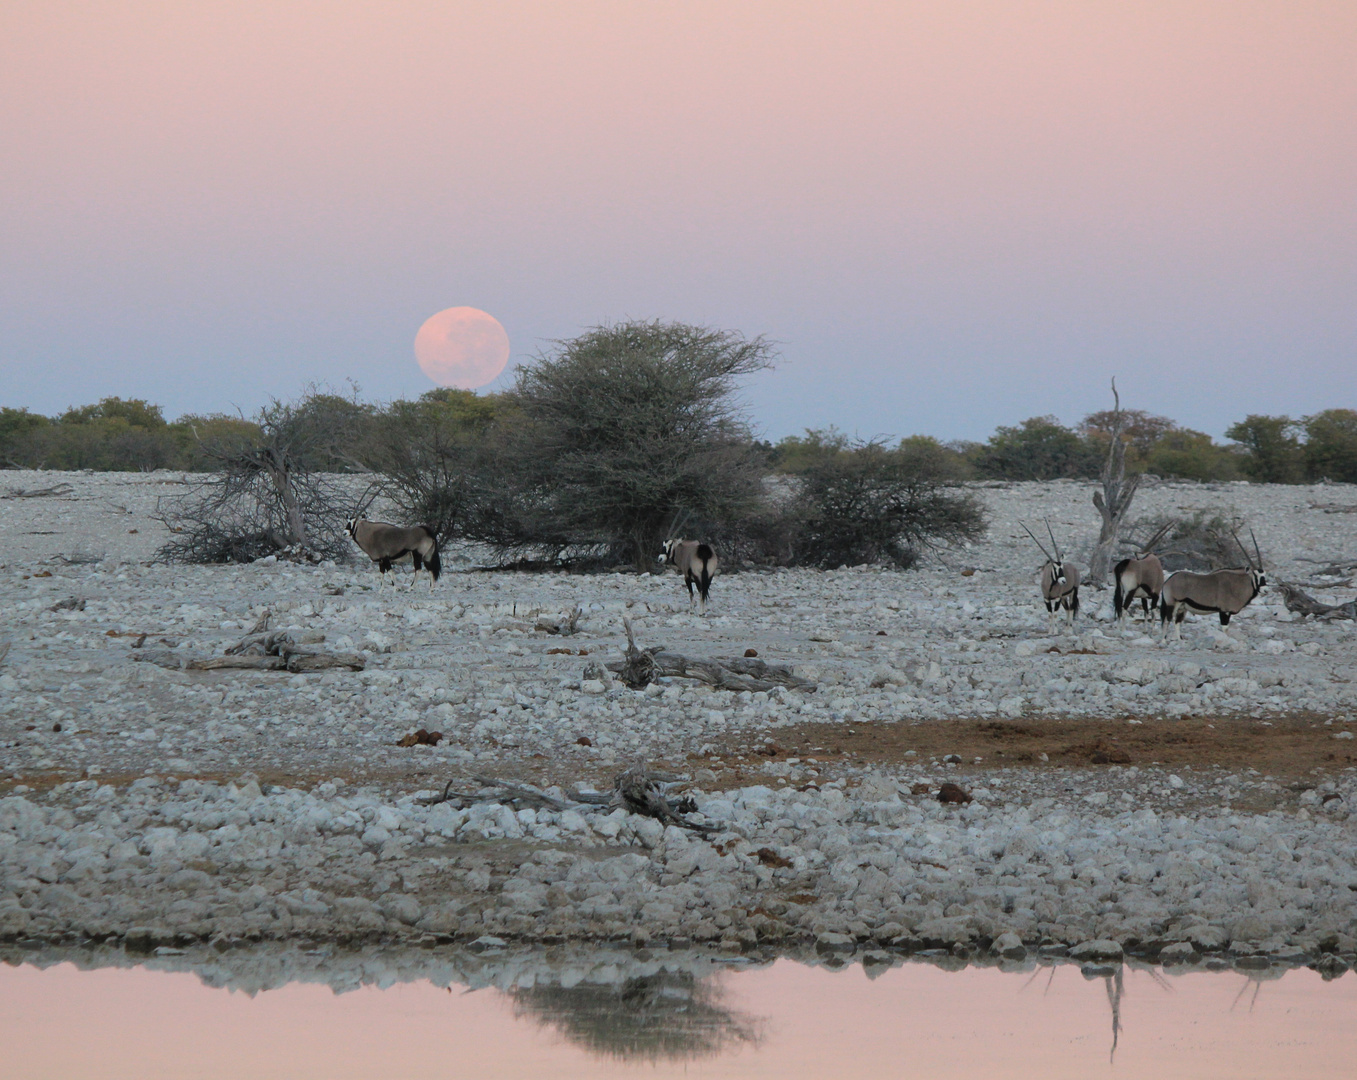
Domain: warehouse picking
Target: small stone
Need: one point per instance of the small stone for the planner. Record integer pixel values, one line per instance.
(1179, 952)
(828, 943)
(1330, 966)
(1098, 949)
(1009, 946)
(953, 793)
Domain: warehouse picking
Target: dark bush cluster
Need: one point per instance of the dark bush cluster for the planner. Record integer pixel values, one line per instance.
(857, 501)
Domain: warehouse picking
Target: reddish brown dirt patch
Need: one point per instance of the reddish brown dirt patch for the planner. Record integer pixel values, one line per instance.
(1293, 744)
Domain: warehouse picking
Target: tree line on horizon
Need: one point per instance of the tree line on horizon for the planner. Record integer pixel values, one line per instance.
(611, 443)
(117, 434)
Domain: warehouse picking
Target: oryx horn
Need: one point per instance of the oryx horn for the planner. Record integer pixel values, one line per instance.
(1039, 544)
(1058, 557)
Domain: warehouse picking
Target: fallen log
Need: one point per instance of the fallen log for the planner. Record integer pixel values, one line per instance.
(636, 790)
(304, 663)
(246, 663)
(643, 666)
(1303, 604)
(734, 673)
(273, 643)
(38, 493)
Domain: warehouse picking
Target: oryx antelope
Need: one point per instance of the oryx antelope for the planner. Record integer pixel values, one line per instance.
(1059, 580)
(697, 563)
(1140, 577)
(384, 544)
(1225, 592)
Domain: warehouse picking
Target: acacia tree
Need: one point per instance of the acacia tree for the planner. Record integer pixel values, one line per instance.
(1273, 453)
(622, 431)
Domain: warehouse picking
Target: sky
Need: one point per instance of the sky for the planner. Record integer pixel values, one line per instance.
(948, 215)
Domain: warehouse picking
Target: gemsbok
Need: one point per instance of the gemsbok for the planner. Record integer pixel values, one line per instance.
(697, 563)
(1225, 592)
(1059, 580)
(384, 544)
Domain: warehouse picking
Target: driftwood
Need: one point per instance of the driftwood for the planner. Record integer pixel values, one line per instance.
(274, 643)
(1301, 603)
(218, 663)
(636, 790)
(304, 663)
(269, 651)
(643, 666)
(56, 490)
(638, 669)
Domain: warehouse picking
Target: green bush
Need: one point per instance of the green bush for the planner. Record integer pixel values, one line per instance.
(17, 429)
(1271, 451)
(1191, 455)
(860, 502)
(1331, 445)
(1040, 448)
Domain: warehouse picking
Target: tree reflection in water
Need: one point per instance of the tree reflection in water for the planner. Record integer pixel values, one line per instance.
(668, 1016)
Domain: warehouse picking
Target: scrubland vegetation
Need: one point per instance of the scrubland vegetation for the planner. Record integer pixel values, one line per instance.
(614, 440)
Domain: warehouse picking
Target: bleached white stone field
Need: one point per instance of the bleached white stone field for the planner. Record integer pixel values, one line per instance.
(160, 805)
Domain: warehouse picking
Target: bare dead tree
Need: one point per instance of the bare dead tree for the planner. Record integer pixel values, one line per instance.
(1114, 500)
(262, 498)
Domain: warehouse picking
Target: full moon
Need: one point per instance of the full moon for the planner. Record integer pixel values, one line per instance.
(462, 347)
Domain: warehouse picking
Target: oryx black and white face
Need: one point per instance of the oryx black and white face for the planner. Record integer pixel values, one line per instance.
(350, 525)
(667, 555)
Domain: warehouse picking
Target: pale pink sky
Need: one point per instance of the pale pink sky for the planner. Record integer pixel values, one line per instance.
(951, 214)
(915, 1021)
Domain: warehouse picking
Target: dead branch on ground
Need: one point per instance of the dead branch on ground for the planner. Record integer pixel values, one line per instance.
(278, 650)
(1301, 603)
(637, 790)
(644, 666)
(56, 490)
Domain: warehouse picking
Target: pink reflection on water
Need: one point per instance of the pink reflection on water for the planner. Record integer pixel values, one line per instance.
(916, 1020)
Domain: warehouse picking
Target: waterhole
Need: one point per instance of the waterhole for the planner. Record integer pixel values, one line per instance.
(338, 1015)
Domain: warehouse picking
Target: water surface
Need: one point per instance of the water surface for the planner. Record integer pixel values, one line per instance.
(784, 1020)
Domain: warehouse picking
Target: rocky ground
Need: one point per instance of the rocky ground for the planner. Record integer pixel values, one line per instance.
(1125, 796)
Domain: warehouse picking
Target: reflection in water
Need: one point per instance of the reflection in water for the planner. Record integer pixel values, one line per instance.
(613, 1013)
(1115, 988)
(668, 1016)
